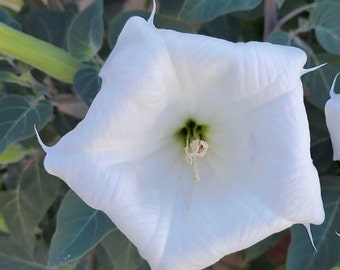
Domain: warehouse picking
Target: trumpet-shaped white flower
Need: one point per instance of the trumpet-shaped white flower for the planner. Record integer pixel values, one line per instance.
(195, 147)
(332, 113)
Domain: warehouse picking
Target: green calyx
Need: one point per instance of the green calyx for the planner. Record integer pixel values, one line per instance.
(44, 56)
(191, 131)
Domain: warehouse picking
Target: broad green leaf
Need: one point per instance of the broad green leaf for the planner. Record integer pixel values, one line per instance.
(117, 252)
(279, 3)
(14, 257)
(224, 27)
(15, 5)
(18, 117)
(206, 10)
(24, 207)
(87, 83)
(251, 16)
(326, 21)
(281, 37)
(8, 20)
(301, 255)
(79, 229)
(87, 262)
(13, 153)
(171, 8)
(41, 252)
(85, 35)
(48, 25)
(161, 21)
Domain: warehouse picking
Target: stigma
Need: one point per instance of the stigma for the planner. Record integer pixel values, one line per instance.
(196, 148)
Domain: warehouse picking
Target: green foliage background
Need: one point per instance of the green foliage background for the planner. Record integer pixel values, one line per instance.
(50, 55)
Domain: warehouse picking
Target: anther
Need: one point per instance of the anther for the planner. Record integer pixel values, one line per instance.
(197, 148)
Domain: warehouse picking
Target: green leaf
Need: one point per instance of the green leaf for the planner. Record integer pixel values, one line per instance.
(8, 20)
(13, 153)
(224, 27)
(79, 229)
(41, 252)
(206, 10)
(85, 35)
(326, 21)
(48, 25)
(117, 252)
(280, 37)
(14, 257)
(301, 255)
(18, 117)
(24, 207)
(171, 8)
(87, 84)
(279, 3)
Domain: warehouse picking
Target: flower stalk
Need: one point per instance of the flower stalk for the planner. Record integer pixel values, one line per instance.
(293, 14)
(270, 18)
(39, 54)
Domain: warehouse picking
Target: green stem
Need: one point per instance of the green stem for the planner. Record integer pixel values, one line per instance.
(270, 18)
(39, 54)
(294, 13)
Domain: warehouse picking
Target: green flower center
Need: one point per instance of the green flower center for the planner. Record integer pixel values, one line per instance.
(191, 131)
(194, 137)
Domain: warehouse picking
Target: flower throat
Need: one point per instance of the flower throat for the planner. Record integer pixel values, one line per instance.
(194, 137)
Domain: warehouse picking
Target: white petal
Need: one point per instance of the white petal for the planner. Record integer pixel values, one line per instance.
(267, 150)
(257, 177)
(332, 113)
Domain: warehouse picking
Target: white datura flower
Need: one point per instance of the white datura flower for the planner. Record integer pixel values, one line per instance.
(195, 147)
(332, 113)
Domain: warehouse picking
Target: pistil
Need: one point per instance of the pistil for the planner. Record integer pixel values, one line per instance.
(197, 148)
(194, 137)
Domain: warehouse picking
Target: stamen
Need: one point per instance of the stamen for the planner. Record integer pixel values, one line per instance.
(197, 148)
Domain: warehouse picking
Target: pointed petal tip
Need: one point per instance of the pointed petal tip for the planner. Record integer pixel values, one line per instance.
(153, 13)
(331, 91)
(39, 139)
(307, 70)
(307, 226)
